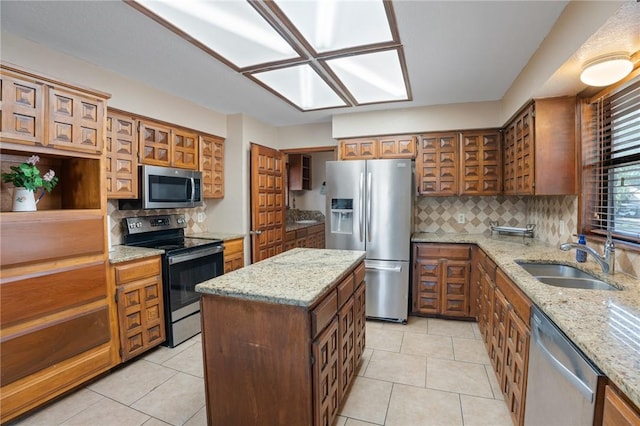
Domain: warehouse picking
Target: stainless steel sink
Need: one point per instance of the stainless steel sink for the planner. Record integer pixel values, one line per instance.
(564, 276)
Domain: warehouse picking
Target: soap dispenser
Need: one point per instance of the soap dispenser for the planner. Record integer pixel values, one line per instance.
(581, 255)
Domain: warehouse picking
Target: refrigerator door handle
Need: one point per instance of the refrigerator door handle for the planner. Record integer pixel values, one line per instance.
(369, 206)
(384, 268)
(361, 215)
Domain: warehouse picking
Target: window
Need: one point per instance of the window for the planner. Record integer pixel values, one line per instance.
(611, 164)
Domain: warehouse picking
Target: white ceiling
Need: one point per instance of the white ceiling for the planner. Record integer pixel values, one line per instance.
(456, 52)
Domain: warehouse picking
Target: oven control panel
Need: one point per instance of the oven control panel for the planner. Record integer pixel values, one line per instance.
(138, 225)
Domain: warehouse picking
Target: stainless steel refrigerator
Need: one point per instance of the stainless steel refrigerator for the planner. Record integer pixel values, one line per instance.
(370, 207)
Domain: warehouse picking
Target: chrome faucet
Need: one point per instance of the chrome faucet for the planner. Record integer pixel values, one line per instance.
(607, 262)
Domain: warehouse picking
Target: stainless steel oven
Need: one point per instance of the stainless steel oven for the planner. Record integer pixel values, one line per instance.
(185, 263)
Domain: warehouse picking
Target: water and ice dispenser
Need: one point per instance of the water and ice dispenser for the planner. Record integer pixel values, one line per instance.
(342, 215)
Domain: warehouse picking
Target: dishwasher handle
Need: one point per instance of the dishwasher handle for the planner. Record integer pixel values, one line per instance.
(538, 336)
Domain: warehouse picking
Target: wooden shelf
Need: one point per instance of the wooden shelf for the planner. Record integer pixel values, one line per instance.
(299, 172)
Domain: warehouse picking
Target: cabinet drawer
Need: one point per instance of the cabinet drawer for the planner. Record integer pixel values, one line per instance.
(234, 246)
(345, 290)
(490, 267)
(359, 274)
(322, 314)
(290, 236)
(301, 233)
(51, 291)
(137, 270)
(36, 240)
(448, 251)
(520, 302)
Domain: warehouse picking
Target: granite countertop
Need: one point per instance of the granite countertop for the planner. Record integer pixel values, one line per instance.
(292, 226)
(605, 325)
(215, 235)
(119, 254)
(296, 277)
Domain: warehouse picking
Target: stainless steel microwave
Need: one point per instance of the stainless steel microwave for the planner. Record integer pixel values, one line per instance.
(165, 187)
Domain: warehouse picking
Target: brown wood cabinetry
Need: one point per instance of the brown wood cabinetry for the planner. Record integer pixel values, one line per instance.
(306, 356)
(23, 103)
(441, 279)
(299, 172)
(503, 319)
(168, 146)
(185, 149)
(140, 305)
(480, 162)
(400, 146)
(233, 254)
(437, 163)
(122, 156)
(540, 154)
(212, 166)
(309, 237)
(617, 410)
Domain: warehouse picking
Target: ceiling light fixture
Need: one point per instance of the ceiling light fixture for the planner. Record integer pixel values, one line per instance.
(607, 69)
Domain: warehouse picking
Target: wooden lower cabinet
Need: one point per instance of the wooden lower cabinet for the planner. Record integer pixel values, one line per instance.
(296, 363)
(233, 254)
(441, 279)
(140, 305)
(617, 411)
(310, 237)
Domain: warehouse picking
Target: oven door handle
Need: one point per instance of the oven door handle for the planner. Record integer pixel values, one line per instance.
(179, 258)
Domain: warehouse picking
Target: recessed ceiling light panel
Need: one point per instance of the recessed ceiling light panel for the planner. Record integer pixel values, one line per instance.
(372, 77)
(302, 86)
(232, 29)
(330, 25)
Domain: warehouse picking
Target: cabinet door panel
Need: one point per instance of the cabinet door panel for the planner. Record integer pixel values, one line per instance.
(437, 164)
(22, 110)
(154, 144)
(185, 149)
(325, 375)
(122, 157)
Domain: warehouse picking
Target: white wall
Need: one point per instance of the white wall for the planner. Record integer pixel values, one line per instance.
(310, 135)
(475, 115)
(126, 94)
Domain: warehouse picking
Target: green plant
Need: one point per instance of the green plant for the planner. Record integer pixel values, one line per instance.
(27, 175)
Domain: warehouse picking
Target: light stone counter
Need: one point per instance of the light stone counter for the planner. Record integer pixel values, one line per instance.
(296, 277)
(295, 226)
(119, 254)
(215, 235)
(605, 325)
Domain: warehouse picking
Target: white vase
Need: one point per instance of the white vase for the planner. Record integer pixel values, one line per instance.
(23, 200)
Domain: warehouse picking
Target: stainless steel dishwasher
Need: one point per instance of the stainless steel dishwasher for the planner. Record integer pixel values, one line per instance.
(562, 384)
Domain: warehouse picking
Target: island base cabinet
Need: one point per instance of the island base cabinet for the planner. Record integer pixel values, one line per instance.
(325, 375)
(254, 366)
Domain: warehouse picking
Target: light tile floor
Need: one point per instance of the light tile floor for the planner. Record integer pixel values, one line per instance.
(428, 372)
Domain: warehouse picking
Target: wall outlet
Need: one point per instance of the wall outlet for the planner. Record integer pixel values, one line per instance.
(461, 218)
(200, 217)
(561, 227)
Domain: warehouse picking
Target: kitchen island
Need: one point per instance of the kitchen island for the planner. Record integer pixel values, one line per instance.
(282, 338)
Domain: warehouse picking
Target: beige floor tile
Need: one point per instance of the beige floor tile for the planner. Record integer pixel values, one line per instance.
(470, 350)
(155, 422)
(366, 357)
(374, 324)
(411, 406)
(354, 422)
(476, 331)
(199, 419)
(63, 409)
(107, 413)
(367, 400)
(340, 421)
(175, 401)
(188, 361)
(413, 325)
(493, 381)
(451, 328)
(397, 368)
(162, 354)
(385, 340)
(427, 345)
(460, 377)
(132, 382)
(484, 412)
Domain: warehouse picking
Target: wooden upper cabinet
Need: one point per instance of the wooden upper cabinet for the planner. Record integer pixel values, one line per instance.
(185, 149)
(358, 149)
(399, 146)
(480, 167)
(437, 164)
(540, 154)
(154, 143)
(22, 109)
(299, 172)
(212, 166)
(122, 156)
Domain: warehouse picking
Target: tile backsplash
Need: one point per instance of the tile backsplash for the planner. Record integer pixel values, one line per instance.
(116, 216)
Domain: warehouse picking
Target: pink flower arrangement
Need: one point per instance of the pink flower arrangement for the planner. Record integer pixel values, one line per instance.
(27, 176)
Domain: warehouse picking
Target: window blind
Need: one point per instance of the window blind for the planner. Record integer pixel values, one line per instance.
(611, 163)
